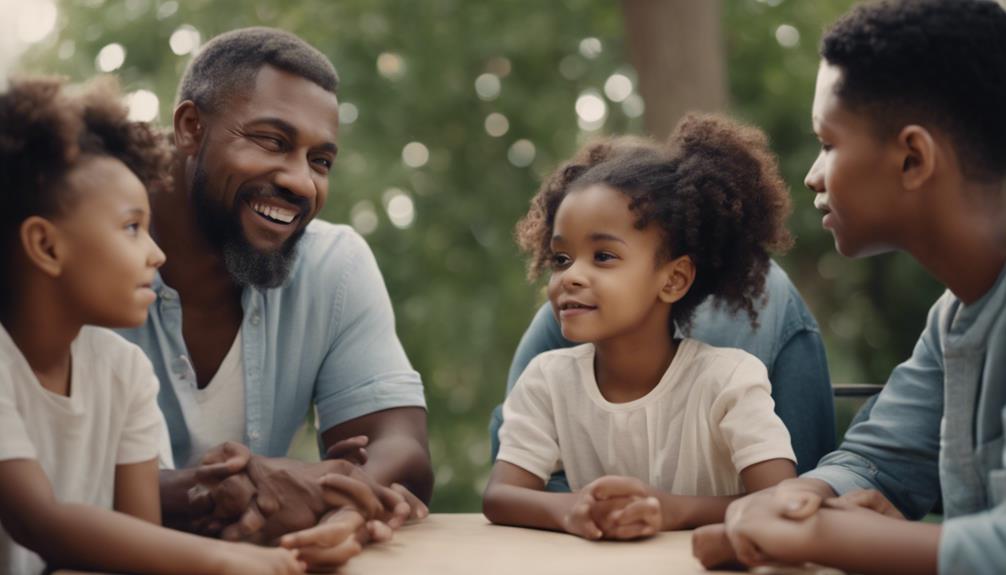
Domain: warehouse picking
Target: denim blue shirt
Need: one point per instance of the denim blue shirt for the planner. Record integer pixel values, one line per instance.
(325, 337)
(787, 341)
(937, 428)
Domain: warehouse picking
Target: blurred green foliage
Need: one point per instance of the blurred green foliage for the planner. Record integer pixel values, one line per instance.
(454, 274)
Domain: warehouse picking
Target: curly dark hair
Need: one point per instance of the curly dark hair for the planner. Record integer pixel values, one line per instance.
(228, 64)
(47, 128)
(714, 190)
(930, 62)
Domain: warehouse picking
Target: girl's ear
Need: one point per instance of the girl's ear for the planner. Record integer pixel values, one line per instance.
(43, 244)
(680, 273)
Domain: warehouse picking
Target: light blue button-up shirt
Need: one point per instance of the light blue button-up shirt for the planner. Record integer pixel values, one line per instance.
(938, 428)
(325, 337)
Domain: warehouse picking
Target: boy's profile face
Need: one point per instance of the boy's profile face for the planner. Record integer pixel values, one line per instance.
(111, 257)
(606, 280)
(856, 174)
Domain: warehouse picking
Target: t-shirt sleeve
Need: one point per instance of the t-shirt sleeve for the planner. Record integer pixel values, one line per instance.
(14, 440)
(528, 437)
(366, 369)
(747, 420)
(144, 431)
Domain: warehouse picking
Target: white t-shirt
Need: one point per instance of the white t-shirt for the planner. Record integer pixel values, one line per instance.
(216, 413)
(710, 416)
(110, 418)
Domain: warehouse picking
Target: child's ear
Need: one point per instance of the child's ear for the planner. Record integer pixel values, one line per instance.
(919, 149)
(680, 273)
(188, 124)
(43, 245)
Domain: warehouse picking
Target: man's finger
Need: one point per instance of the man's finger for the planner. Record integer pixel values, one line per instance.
(247, 527)
(342, 491)
(352, 449)
(418, 508)
(232, 496)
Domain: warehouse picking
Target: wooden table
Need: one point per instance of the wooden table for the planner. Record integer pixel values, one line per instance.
(467, 544)
(448, 544)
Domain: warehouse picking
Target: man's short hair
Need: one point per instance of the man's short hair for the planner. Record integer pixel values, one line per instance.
(228, 64)
(935, 62)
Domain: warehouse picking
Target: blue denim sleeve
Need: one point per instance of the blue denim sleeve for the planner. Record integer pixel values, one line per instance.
(896, 448)
(803, 399)
(974, 543)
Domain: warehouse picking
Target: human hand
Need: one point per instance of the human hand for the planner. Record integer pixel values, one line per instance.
(331, 543)
(754, 522)
(245, 559)
(625, 507)
(222, 491)
(864, 500)
(353, 449)
(711, 546)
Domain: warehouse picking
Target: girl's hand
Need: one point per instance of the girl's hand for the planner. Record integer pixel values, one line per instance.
(579, 521)
(625, 508)
(711, 546)
(331, 543)
(247, 559)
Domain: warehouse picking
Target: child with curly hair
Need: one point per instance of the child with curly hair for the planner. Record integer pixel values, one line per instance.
(80, 430)
(653, 432)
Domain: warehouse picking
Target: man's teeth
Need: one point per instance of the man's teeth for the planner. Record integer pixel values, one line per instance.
(275, 213)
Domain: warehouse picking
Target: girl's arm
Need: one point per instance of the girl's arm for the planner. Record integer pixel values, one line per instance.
(691, 511)
(515, 496)
(137, 491)
(88, 537)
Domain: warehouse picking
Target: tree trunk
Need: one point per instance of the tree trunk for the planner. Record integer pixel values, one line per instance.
(676, 47)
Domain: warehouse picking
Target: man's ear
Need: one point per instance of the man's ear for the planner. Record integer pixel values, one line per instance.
(680, 273)
(188, 123)
(43, 244)
(920, 150)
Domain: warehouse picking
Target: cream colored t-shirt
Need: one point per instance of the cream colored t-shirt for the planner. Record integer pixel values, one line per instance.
(710, 416)
(110, 418)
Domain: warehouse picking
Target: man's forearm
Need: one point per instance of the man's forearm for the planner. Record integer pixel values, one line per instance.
(176, 510)
(401, 459)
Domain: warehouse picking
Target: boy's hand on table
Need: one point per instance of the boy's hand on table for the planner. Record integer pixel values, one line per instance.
(711, 546)
(864, 500)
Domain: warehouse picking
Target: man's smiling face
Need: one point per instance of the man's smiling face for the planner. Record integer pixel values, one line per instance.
(262, 173)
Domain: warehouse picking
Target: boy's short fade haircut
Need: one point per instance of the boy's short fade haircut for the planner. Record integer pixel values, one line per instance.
(228, 64)
(940, 62)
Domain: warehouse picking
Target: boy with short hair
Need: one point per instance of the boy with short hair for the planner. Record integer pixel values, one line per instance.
(909, 110)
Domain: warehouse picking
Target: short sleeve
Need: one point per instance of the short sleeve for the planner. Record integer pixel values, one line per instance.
(366, 369)
(144, 431)
(528, 437)
(14, 440)
(747, 419)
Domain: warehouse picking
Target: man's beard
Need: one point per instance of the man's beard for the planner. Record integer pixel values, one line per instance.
(246, 265)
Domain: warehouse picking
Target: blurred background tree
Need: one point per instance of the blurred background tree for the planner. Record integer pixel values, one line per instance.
(452, 111)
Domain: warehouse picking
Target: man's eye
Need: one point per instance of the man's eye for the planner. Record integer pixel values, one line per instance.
(324, 164)
(269, 142)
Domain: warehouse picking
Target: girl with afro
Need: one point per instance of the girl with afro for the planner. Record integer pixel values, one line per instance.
(80, 430)
(654, 431)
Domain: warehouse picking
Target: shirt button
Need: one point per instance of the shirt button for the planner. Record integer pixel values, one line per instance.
(255, 318)
(167, 295)
(253, 435)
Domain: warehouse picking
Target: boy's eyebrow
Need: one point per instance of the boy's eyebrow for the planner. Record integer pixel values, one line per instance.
(290, 131)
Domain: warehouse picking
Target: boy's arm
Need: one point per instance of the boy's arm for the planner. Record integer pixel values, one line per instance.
(137, 492)
(855, 541)
(88, 537)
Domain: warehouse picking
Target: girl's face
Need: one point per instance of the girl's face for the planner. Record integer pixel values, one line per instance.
(606, 279)
(110, 257)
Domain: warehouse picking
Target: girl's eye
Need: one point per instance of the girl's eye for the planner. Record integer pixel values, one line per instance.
(604, 257)
(133, 229)
(560, 261)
